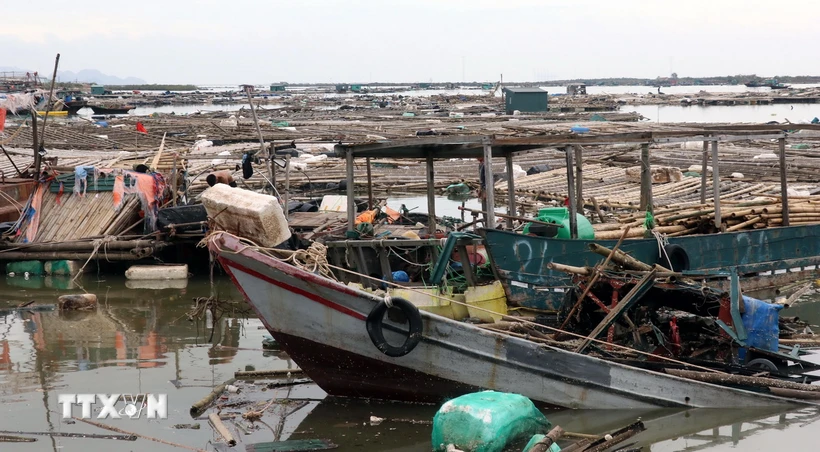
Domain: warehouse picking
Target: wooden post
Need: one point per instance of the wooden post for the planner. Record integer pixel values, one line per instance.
(716, 183)
(37, 157)
(351, 202)
(579, 179)
(784, 186)
(174, 178)
(35, 144)
(369, 185)
(510, 191)
(287, 185)
(431, 195)
(646, 179)
(573, 220)
(271, 153)
(489, 190)
(703, 172)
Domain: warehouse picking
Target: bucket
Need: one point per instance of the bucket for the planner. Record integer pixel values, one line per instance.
(490, 297)
(426, 299)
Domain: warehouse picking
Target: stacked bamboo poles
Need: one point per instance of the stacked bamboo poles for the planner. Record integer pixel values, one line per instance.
(763, 212)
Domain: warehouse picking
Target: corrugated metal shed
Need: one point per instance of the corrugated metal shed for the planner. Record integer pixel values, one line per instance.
(525, 100)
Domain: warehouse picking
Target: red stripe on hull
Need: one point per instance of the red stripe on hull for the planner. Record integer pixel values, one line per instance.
(228, 263)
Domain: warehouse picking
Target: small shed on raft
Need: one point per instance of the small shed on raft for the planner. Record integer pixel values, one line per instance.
(528, 100)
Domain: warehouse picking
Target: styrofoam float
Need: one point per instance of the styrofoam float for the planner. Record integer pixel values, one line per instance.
(157, 272)
(246, 214)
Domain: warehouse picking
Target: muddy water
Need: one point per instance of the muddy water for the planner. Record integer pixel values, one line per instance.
(140, 341)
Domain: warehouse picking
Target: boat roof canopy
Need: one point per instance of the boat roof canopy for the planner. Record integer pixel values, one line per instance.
(472, 146)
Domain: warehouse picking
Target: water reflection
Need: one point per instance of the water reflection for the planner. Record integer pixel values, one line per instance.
(140, 340)
(407, 428)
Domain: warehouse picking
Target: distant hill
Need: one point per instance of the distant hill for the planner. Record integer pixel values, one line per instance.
(95, 76)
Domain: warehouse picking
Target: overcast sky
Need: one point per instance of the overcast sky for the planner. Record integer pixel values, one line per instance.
(243, 41)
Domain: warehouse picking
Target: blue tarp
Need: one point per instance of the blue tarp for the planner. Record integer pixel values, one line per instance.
(761, 322)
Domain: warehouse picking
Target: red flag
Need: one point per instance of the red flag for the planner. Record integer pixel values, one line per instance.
(140, 128)
(2, 119)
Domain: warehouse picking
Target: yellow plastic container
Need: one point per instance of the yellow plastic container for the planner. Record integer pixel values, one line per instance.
(426, 299)
(490, 297)
(460, 311)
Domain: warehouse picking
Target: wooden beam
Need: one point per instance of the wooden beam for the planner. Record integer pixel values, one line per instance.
(489, 190)
(646, 179)
(384, 261)
(351, 202)
(579, 178)
(716, 183)
(784, 186)
(369, 185)
(466, 266)
(573, 221)
(431, 195)
(510, 191)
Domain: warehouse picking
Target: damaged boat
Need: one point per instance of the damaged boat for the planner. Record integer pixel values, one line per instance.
(327, 328)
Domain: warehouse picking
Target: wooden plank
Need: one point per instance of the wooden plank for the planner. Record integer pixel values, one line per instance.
(310, 220)
(159, 153)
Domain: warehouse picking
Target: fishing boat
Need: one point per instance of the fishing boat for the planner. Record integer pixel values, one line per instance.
(325, 328)
(773, 84)
(761, 257)
(111, 109)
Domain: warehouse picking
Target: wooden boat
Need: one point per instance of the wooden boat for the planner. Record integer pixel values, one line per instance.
(521, 260)
(111, 109)
(322, 326)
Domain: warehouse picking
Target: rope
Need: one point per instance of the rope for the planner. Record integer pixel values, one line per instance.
(479, 308)
(97, 244)
(662, 242)
(388, 300)
(313, 259)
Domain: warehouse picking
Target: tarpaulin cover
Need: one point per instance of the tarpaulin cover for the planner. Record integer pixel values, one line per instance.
(486, 422)
(761, 322)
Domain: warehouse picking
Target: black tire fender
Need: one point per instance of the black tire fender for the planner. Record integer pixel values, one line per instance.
(375, 327)
(675, 254)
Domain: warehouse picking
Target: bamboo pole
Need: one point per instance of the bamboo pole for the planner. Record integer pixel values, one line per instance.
(251, 374)
(200, 406)
(221, 429)
(746, 223)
